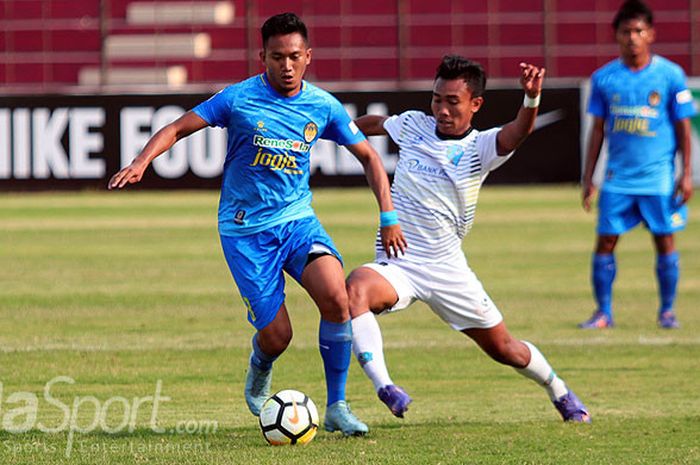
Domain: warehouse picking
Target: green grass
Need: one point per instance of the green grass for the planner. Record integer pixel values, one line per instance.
(120, 290)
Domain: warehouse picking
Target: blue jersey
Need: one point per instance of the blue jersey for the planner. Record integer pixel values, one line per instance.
(640, 109)
(266, 172)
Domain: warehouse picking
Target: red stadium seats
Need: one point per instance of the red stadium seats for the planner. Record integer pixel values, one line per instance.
(47, 42)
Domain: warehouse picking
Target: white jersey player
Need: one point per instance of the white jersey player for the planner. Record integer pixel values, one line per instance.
(443, 161)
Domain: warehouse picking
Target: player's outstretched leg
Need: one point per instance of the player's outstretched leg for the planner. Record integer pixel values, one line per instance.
(367, 344)
(667, 272)
(529, 362)
(258, 379)
(335, 341)
(565, 401)
(603, 275)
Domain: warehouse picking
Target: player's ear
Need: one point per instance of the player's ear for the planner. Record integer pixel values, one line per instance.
(651, 35)
(262, 55)
(308, 56)
(476, 103)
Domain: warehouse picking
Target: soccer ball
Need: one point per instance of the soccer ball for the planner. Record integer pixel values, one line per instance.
(289, 417)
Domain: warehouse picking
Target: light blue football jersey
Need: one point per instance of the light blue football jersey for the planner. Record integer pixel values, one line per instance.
(640, 109)
(266, 172)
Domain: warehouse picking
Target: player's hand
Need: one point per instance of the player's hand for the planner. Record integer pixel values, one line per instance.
(393, 240)
(531, 78)
(127, 175)
(587, 196)
(685, 188)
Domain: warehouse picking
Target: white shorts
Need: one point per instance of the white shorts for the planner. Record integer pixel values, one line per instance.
(451, 290)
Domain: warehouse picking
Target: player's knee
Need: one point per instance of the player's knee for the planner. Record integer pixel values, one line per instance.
(664, 244)
(357, 296)
(334, 306)
(606, 244)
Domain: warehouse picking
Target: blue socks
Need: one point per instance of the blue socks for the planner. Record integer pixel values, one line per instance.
(667, 271)
(259, 358)
(335, 341)
(604, 270)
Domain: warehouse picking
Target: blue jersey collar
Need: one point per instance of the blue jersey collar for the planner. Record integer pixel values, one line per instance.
(652, 62)
(266, 83)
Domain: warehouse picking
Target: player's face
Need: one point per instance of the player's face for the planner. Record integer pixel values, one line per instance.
(635, 37)
(453, 106)
(285, 58)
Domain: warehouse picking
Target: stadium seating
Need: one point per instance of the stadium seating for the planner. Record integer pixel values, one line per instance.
(172, 76)
(149, 13)
(48, 42)
(158, 46)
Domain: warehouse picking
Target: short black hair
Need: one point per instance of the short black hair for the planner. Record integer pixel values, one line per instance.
(633, 9)
(283, 24)
(456, 67)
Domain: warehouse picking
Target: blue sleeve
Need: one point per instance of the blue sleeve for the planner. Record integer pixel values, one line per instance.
(341, 129)
(596, 102)
(681, 99)
(217, 110)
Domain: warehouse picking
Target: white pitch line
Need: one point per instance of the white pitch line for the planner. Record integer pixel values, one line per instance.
(641, 340)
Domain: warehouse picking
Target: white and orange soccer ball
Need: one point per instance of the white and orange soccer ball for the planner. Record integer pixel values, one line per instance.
(289, 417)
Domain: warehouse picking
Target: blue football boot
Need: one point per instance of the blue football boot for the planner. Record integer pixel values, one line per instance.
(340, 418)
(257, 388)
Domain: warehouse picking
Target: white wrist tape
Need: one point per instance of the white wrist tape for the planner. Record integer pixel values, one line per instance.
(529, 102)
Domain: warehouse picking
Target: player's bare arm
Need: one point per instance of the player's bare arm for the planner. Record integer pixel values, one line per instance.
(514, 133)
(158, 144)
(392, 236)
(595, 142)
(372, 125)
(685, 183)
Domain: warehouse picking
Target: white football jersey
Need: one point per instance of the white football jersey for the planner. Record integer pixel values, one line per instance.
(436, 184)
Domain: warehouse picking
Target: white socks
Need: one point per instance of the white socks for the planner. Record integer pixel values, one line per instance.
(542, 373)
(368, 347)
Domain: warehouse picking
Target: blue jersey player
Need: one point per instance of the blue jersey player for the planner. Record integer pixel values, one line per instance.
(266, 222)
(640, 103)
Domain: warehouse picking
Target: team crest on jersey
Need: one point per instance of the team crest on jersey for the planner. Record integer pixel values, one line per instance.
(455, 153)
(310, 131)
(654, 98)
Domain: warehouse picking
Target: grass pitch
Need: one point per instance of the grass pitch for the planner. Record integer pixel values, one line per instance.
(126, 295)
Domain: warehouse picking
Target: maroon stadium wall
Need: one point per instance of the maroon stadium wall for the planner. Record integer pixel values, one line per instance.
(78, 141)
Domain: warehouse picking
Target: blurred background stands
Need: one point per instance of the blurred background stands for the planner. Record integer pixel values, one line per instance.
(47, 45)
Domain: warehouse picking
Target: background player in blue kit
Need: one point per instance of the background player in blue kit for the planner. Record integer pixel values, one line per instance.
(266, 222)
(641, 103)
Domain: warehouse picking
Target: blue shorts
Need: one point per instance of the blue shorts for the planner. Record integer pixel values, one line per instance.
(256, 262)
(661, 214)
